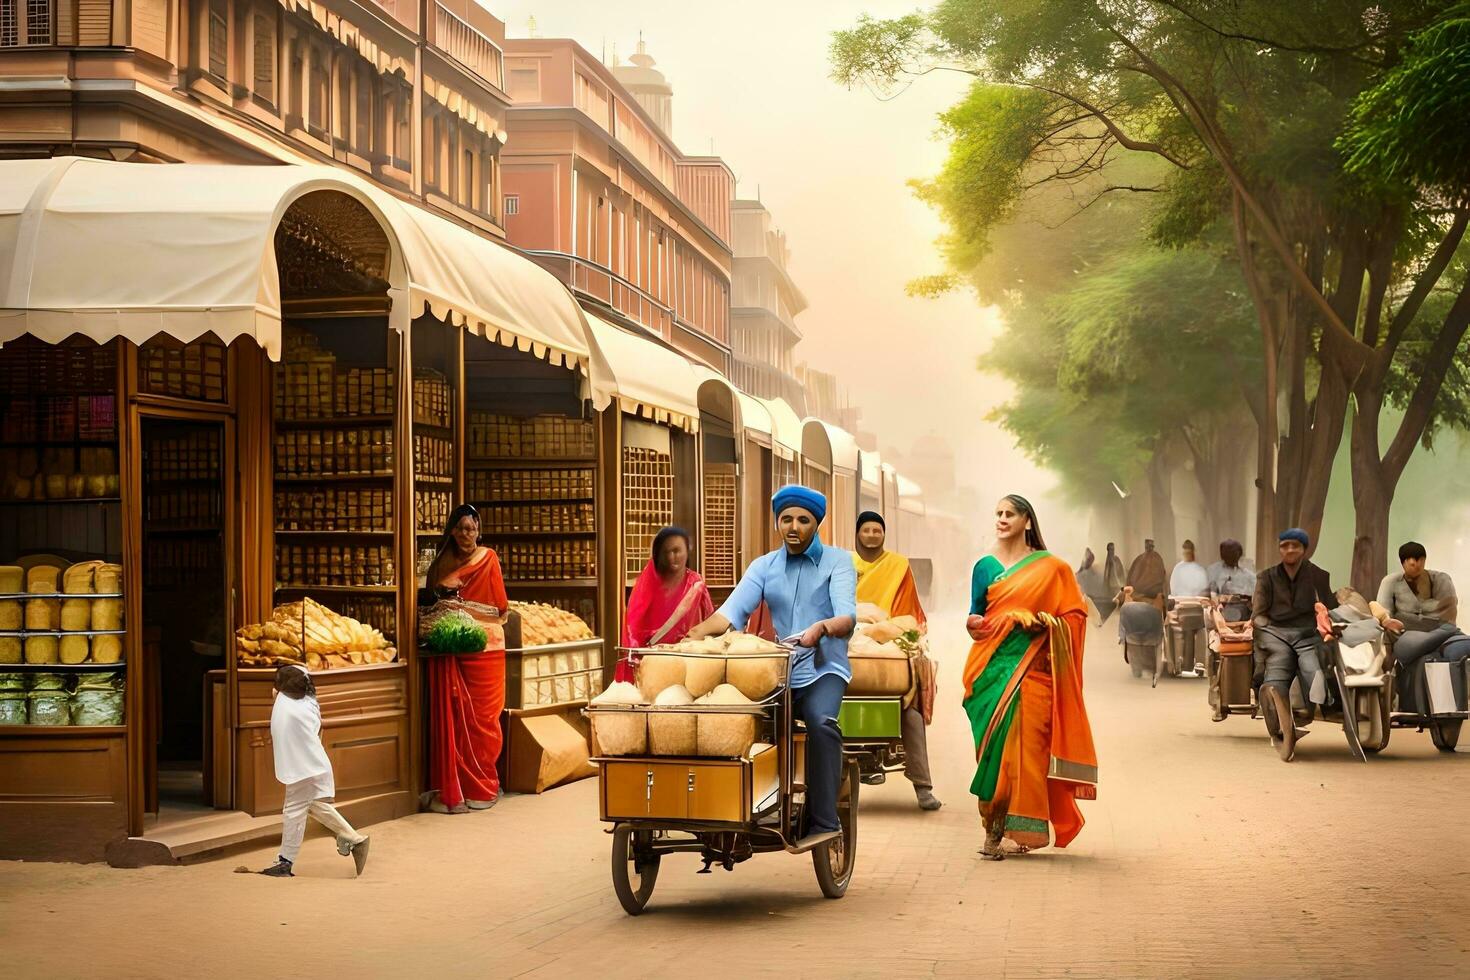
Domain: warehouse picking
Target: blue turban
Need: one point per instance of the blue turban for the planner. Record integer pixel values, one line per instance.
(796, 496)
(1296, 534)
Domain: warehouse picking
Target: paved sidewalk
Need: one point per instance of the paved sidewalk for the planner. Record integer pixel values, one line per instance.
(1204, 856)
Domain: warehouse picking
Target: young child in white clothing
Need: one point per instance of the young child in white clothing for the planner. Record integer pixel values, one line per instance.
(302, 765)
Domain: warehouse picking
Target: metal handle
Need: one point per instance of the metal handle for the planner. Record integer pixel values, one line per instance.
(691, 780)
(648, 788)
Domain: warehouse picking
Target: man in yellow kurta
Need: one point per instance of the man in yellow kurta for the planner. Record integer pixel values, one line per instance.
(886, 580)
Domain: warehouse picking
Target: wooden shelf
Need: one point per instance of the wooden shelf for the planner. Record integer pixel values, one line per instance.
(60, 500)
(55, 443)
(333, 534)
(439, 481)
(521, 501)
(536, 463)
(485, 535)
(433, 425)
(563, 583)
(154, 483)
(336, 422)
(333, 477)
(63, 668)
(75, 731)
(182, 531)
(367, 589)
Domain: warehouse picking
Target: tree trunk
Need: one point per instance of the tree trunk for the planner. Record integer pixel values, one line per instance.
(1373, 491)
(1161, 504)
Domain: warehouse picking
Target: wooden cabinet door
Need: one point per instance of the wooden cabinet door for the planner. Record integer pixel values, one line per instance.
(715, 793)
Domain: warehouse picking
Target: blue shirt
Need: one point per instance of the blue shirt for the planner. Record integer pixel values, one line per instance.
(800, 590)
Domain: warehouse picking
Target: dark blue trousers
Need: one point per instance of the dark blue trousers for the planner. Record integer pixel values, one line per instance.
(817, 705)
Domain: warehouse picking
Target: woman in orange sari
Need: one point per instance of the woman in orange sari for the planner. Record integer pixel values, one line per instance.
(466, 691)
(1023, 684)
(668, 600)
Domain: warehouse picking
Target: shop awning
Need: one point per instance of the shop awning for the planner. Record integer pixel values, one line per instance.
(647, 379)
(842, 447)
(910, 496)
(755, 417)
(110, 249)
(787, 426)
(872, 469)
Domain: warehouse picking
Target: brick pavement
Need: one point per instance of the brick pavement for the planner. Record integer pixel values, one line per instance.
(1204, 857)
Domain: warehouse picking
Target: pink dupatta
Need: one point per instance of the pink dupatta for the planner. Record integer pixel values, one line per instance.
(657, 614)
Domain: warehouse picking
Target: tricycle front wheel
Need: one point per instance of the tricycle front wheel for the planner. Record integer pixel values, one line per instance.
(634, 868)
(835, 860)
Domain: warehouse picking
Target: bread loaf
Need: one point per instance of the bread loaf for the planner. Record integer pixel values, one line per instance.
(41, 650)
(42, 614)
(43, 579)
(74, 649)
(76, 615)
(107, 614)
(703, 674)
(10, 614)
(756, 677)
(657, 672)
(9, 650)
(77, 580)
(106, 649)
(12, 579)
(108, 579)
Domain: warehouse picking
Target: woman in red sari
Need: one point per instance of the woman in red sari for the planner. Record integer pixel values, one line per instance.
(466, 691)
(669, 599)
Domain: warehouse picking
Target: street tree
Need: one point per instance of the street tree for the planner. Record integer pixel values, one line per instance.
(1244, 103)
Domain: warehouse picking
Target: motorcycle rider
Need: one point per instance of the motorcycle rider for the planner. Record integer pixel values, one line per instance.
(1189, 577)
(1419, 608)
(1287, 643)
(1232, 582)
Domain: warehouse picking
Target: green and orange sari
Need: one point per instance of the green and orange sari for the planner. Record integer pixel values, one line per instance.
(1023, 683)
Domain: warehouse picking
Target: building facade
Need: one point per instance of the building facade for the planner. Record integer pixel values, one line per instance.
(764, 309)
(597, 192)
(827, 399)
(408, 95)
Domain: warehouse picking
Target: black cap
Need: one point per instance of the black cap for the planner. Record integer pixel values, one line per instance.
(871, 517)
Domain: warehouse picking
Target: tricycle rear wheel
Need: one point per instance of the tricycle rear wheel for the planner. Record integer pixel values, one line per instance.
(634, 868)
(835, 860)
(1445, 734)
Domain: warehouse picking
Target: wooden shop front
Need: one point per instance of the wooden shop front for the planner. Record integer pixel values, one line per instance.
(254, 396)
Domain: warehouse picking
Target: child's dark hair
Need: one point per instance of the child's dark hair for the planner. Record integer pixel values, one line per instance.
(294, 682)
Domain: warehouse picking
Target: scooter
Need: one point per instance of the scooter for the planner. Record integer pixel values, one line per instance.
(1184, 634)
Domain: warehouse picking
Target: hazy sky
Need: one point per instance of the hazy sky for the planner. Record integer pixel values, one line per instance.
(831, 165)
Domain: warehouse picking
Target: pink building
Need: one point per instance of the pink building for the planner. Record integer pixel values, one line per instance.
(597, 192)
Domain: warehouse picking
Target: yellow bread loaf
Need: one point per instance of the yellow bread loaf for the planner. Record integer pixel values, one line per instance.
(9, 649)
(41, 650)
(12, 579)
(10, 614)
(74, 649)
(106, 649)
(76, 615)
(42, 614)
(108, 579)
(77, 580)
(43, 579)
(107, 614)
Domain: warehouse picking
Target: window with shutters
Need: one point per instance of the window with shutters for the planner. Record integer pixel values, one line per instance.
(219, 38)
(364, 117)
(404, 143)
(321, 82)
(264, 81)
(25, 23)
(512, 205)
(467, 180)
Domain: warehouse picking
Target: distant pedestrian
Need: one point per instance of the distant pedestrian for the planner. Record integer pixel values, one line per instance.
(302, 765)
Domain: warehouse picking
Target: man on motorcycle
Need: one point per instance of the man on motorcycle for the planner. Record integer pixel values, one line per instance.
(1232, 582)
(1189, 577)
(1287, 643)
(885, 579)
(1418, 607)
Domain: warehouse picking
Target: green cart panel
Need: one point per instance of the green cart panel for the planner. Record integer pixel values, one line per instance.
(865, 718)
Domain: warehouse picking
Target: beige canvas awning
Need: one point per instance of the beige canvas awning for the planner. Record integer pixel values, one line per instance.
(755, 417)
(841, 448)
(910, 496)
(110, 249)
(787, 430)
(871, 470)
(645, 378)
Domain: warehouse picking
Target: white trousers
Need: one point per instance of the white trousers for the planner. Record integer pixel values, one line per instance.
(311, 796)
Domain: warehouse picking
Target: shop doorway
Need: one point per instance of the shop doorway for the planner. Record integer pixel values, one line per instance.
(185, 603)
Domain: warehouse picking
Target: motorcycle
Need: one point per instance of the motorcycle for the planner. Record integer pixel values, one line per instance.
(1184, 634)
(1141, 631)
(1430, 676)
(1229, 660)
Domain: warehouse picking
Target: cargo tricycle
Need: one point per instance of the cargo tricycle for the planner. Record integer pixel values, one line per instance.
(723, 806)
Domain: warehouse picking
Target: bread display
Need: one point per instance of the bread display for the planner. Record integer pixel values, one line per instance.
(309, 633)
(12, 579)
(79, 579)
(74, 649)
(543, 625)
(44, 579)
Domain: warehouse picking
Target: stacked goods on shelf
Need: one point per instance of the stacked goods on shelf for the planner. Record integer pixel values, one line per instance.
(543, 437)
(57, 415)
(543, 624)
(195, 370)
(363, 391)
(70, 616)
(432, 509)
(302, 566)
(179, 563)
(433, 457)
(577, 518)
(648, 502)
(56, 699)
(310, 386)
(310, 634)
(432, 399)
(539, 485)
(555, 560)
(335, 452)
(182, 477)
(718, 553)
(57, 473)
(334, 509)
(702, 704)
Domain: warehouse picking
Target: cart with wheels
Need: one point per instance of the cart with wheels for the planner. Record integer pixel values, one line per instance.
(724, 809)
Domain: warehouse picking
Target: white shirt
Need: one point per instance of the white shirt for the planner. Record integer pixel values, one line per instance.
(296, 737)
(1189, 578)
